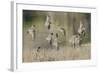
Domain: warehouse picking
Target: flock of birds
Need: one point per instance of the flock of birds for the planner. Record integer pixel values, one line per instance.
(52, 38)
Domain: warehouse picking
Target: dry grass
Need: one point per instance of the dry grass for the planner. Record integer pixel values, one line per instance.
(46, 53)
(65, 53)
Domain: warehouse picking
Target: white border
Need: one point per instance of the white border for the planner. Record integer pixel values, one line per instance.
(17, 37)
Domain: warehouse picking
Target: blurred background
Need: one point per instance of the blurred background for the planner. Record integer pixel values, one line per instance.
(69, 21)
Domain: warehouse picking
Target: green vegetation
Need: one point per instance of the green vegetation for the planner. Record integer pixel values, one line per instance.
(69, 21)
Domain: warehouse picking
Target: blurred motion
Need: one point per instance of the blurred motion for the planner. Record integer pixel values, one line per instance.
(56, 36)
